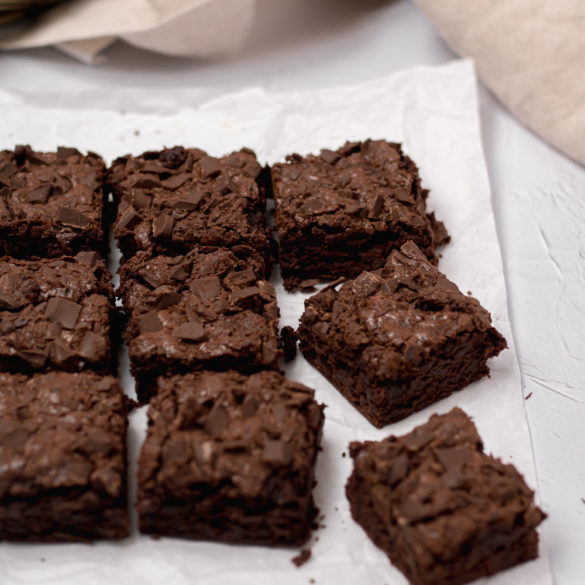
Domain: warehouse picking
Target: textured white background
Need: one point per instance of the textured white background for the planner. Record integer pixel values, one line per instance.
(536, 196)
(434, 113)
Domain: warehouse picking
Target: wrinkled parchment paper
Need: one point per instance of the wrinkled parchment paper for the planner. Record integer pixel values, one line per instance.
(434, 112)
(84, 28)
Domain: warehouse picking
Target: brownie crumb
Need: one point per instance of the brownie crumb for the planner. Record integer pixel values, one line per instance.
(289, 343)
(583, 500)
(528, 396)
(309, 284)
(302, 557)
(131, 404)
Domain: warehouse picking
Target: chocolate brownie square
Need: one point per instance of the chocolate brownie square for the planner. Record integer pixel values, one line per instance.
(343, 211)
(55, 314)
(177, 198)
(443, 511)
(51, 203)
(395, 340)
(207, 309)
(230, 458)
(62, 458)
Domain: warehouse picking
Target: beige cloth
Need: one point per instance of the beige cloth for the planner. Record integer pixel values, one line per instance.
(530, 53)
(83, 28)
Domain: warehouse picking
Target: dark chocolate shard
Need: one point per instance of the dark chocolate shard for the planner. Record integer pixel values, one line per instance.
(217, 420)
(177, 181)
(72, 217)
(36, 358)
(241, 277)
(329, 156)
(191, 331)
(64, 152)
(129, 220)
(245, 293)
(162, 226)
(190, 201)
(206, 287)
(150, 323)
(60, 351)
(179, 273)
(210, 167)
(277, 453)
(252, 169)
(376, 208)
(141, 200)
(6, 171)
(147, 183)
(88, 257)
(168, 299)
(39, 195)
(63, 311)
(90, 346)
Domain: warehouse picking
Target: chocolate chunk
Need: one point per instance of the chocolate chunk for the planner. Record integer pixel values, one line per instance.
(129, 220)
(64, 152)
(7, 170)
(151, 278)
(277, 453)
(191, 200)
(252, 169)
(177, 181)
(162, 226)
(168, 299)
(147, 183)
(206, 288)
(308, 284)
(209, 167)
(60, 351)
(330, 156)
(8, 301)
(72, 217)
(36, 358)
(312, 205)
(377, 207)
(191, 331)
(36, 158)
(63, 311)
(141, 200)
(90, 346)
(245, 293)
(249, 406)
(179, 273)
(53, 330)
(150, 323)
(39, 195)
(89, 258)
(241, 277)
(217, 420)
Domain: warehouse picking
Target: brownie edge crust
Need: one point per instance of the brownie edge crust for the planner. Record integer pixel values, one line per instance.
(443, 511)
(230, 458)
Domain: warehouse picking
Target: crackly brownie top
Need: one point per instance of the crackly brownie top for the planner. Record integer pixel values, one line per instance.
(181, 195)
(231, 431)
(216, 308)
(61, 431)
(367, 186)
(397, 316)
(64, 187)
(438, 489)
(149, 282)
(55, 311)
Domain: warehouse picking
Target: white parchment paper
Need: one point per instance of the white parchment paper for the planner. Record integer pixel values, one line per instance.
(434, 113)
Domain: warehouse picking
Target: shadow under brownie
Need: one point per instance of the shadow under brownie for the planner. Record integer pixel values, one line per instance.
(343, 211)
(62, 458)
(397, 339)
(443, 511)
(51, 203)
(230, 458)
(207, 309)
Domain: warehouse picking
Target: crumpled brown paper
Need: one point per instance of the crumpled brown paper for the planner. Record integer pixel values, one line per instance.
(83, 28)
(530, 53)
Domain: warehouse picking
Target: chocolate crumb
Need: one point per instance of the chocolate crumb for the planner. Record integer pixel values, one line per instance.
(300, 559)
(528, 396)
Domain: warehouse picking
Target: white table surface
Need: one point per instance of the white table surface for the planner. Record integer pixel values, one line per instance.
(538, 198)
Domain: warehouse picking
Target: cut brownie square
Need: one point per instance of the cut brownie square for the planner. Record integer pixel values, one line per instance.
(62, 458)
(397, 339)
(176, 198)
(204, 310)
(343, 211)
(55, 314)
(443, 511)
(51, 204)
(230, 458)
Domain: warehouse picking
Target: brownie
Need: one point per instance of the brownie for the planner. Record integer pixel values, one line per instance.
(230, 458)
(62, 457)
(52, 203)
(443, 511)
(204, 310)
(176, 198)
(397, 339)
(55, 314)
(343, 211)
